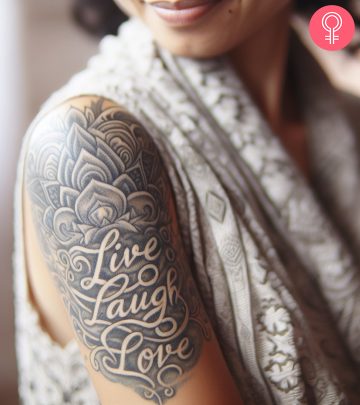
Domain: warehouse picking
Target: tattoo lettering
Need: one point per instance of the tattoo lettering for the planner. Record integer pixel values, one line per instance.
(100, 200)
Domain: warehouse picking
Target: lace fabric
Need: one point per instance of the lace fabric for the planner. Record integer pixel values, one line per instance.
(283, 299)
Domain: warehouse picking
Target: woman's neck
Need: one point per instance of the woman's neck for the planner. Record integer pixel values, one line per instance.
(261, 63)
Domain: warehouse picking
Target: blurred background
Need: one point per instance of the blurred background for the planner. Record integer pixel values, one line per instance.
(40, 49)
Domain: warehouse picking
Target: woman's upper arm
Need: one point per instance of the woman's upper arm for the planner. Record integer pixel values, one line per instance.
(103, 207)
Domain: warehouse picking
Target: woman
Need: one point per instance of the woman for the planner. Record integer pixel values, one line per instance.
(194, 197)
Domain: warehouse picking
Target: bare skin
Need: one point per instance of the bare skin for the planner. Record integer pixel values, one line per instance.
(261, 63)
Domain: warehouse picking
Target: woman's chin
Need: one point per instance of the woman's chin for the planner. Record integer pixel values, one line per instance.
(199, 44)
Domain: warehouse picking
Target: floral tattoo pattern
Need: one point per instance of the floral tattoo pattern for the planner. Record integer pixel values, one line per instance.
(101, 202)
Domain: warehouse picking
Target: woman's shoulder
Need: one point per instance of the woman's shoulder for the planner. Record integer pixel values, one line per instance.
(93, 131)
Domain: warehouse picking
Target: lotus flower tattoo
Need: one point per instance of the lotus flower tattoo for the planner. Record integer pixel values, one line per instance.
(92, 182)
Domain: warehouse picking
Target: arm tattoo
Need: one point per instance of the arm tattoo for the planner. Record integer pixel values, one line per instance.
(102, 202)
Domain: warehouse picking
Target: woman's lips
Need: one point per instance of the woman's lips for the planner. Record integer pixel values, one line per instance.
(183, 12)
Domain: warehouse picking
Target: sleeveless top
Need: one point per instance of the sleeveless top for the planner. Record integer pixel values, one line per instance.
(276, 257)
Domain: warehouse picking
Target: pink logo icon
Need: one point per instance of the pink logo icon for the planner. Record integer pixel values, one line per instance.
(332, 28)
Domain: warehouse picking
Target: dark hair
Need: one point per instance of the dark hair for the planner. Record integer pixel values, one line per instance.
(101, 17)
(98, 17)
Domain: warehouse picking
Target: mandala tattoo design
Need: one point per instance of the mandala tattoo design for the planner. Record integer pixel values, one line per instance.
(102, 205)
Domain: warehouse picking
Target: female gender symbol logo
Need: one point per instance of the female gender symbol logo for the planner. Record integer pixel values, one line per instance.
(332, 28)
